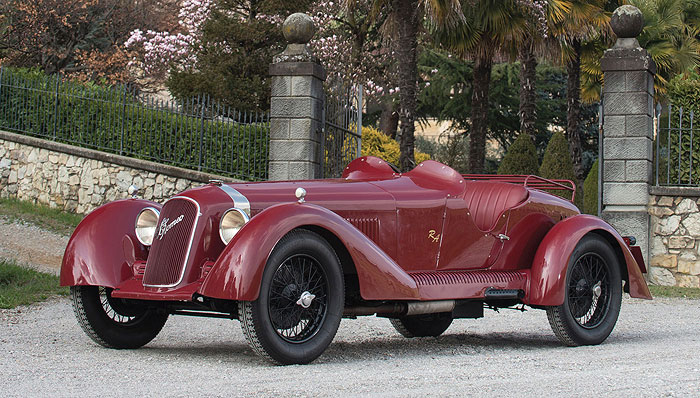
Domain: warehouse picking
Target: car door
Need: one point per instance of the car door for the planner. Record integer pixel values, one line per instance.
(464, 245)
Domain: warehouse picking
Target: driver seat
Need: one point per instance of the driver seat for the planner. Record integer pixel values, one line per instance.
(487, 200)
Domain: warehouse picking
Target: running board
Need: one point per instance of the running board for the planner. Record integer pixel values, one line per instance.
(445, 285)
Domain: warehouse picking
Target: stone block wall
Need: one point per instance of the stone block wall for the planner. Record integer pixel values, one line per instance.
(675, 243)
(78, 179)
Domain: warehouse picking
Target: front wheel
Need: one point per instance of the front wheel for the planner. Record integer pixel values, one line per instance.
(593, 295)
(111, 322)
(300, 304)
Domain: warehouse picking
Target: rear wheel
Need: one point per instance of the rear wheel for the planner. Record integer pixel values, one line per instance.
(300, 304)
(423, 325)
(111, 322)
(593, 295)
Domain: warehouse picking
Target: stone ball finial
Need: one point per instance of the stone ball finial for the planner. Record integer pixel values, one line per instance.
(627, 22)
(298, 28)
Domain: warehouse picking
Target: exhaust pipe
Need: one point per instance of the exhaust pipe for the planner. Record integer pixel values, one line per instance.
(403, 308)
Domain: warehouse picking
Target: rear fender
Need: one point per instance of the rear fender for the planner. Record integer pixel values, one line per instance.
(237, 273)
(95, 253)
(548, 274)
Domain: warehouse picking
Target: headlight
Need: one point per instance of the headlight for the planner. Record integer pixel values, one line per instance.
(231, 222)
(146, 223)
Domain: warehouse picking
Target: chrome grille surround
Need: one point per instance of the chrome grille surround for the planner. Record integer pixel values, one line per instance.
(157, 264)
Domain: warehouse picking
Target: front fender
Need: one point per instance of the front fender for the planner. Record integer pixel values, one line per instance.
(548, 274)
(95, 251)
(237, 273)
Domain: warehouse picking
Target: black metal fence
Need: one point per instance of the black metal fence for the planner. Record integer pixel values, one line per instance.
(341, 138)
(199, 134)
(677, 152)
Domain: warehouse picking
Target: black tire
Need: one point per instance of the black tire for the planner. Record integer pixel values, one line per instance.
(588, 314)
(429, 325)
(278, 325)
(112, 323)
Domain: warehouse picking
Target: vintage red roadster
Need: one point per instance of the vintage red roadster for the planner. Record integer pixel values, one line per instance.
(290, 259)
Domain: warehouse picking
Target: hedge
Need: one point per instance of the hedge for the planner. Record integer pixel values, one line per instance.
(112, 119)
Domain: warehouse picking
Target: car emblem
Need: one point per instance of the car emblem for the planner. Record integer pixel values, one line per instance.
(431, 235)
(165, 227)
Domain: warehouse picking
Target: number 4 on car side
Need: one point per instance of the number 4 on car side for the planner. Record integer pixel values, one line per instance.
(290, 259)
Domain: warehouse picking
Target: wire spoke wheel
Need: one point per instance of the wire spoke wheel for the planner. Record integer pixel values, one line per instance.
(589, 287)
(298, 277)
(112, 322)
(111, 308)
(593, 294)
(301, 300)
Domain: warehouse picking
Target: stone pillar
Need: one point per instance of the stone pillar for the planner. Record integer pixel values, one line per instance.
(628, 109)
(296, 104)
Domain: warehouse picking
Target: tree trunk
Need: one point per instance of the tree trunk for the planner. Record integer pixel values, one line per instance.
(528, 78)
(480, 113)
(389, 120)
(573, 110)
(407, 12)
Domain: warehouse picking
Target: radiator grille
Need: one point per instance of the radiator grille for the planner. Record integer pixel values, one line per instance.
(171, 245)
(455, 278)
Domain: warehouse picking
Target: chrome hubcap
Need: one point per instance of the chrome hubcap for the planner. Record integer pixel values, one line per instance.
(306, 299)
(597, 290)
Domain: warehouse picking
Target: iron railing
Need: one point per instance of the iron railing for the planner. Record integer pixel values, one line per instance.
(341, 134)
(199, 134)
(677, 147)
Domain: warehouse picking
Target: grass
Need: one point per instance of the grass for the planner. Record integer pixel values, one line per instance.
(45, 217)
(23, 286)
(675, 291)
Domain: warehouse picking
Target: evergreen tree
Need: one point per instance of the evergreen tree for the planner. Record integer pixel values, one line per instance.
(521, 157)
(557, 165)
(238, 43)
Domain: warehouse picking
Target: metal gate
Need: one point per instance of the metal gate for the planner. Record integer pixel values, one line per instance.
(341, 132)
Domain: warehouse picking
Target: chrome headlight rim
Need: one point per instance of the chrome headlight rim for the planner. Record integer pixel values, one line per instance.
(238, 211)
(137, 228)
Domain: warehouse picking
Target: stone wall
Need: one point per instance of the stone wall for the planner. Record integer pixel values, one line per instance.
(78, 179)
(675, 243)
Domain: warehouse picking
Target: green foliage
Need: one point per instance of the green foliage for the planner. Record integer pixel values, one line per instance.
(590, 191)
(521, 157)
(235, 53)
(376, 143)
(95, 116)
(557, 165)
(448, 97)
(23, 286)
(683, 92)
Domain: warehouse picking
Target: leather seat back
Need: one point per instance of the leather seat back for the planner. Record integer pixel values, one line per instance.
(487, 200)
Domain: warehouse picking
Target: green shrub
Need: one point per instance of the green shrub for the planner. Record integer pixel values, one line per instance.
(112, 120)
(376, 143)
(557, 164)
(590, 191)
(521, 157)
(683, 91)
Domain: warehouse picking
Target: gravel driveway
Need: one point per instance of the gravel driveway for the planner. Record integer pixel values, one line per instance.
(654, 351)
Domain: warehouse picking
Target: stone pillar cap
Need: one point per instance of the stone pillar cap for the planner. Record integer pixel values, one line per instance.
(298, 28)
(627, 22)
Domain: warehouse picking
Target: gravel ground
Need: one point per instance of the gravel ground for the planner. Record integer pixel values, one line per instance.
(30, 245)
(654, 351)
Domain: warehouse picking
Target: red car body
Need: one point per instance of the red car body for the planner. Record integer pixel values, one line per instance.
(425, 235)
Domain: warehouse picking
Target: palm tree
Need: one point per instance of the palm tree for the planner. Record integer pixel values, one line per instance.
(541, 15)
(405, 18)
(489, 26)
(583, 20)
